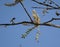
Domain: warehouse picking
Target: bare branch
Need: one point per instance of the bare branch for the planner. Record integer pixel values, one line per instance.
(52, 20)
(26, 11)
(16, 23)
(44, 4)
(45, 24)
(51, 2)
(52, 25)
(48, 8)
(16, 2)
(55, 3)
(39, 7)
(32, 23)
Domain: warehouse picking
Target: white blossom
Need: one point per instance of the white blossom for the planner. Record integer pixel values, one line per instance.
(36, 17)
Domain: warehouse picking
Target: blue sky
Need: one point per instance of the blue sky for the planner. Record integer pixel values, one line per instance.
(11, 36)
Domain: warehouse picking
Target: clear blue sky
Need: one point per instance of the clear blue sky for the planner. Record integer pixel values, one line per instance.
(11, 36)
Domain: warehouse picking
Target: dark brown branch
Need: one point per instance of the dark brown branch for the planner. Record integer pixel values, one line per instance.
(44, 24)
(46, 8)
(52, 25)
(16, 23)
(52, 20)
(39, 7)
(43, 4)
(26, 11)
(20, 1)
(55, 3)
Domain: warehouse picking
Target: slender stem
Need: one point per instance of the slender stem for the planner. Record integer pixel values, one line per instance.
(44, 24)
(16, 23)
(45, 8)
(55, 3)
(43, 4)
(26, 11)
(51, 25)
(52, 20)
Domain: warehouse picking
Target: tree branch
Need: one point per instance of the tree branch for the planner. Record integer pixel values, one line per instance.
(55, 3)
(44, 24)
(52, 25)
(16, 23)
(52, 20)
(46, 8)
(44, 4)
(20, 1)
(26, 11)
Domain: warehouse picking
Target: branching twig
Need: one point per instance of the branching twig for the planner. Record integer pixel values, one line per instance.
(52, 25)
(45, 24)
(44, 4)
(52, 20)
(46, 8)
(55, 3)
(16, 23)
(20, 1)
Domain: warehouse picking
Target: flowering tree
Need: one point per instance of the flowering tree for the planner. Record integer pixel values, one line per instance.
(47, 5)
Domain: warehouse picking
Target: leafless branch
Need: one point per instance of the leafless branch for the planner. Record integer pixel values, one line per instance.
(52, 25)
(20, 1)
(16, 23)
(55, 3)
(45, 4)
(52, 20)
(48, 8)
(26, 11)
(44, 24)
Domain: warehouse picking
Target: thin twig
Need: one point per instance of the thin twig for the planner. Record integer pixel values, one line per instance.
(16, 23)
(26, 11)
(44, 24)
(55, 3)
(52, 20)
(19, 1)
(44, 4)
(46, 8)
(52, 25)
